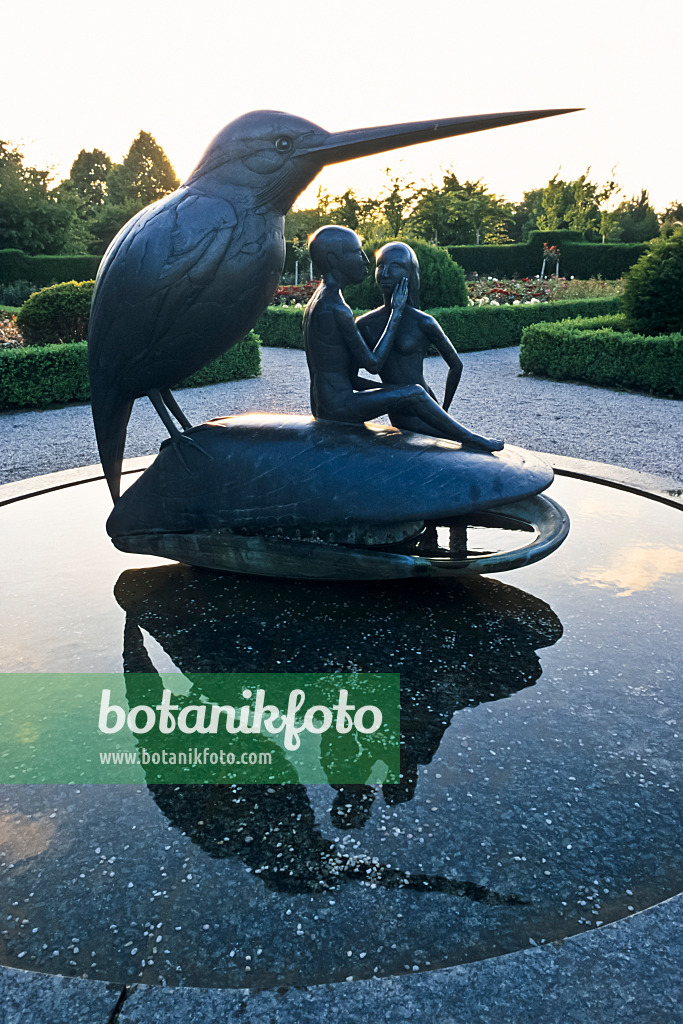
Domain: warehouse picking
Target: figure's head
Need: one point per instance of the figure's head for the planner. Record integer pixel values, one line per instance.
(395, 261)
(338, 251)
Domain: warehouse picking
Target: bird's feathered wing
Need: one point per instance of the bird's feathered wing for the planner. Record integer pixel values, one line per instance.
(155, 278)
(161, 305)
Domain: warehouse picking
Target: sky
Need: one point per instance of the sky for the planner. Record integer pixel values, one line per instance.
(83, 75)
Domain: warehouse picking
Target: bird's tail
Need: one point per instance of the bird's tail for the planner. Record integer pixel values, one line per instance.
(110, 413)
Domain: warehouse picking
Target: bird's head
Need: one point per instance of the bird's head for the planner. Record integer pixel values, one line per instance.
(274, 156)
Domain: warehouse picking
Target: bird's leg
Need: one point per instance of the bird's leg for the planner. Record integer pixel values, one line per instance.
(175, 409)
(164, 415)
(176, 435)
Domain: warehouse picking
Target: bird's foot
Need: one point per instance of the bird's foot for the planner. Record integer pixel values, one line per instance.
(182, 440)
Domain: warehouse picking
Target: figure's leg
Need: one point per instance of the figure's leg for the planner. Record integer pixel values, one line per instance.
(412, 402)
(175, 409)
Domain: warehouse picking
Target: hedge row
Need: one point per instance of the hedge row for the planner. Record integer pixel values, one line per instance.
(16, 265)
(604, 356)
(481, 327)
(470, 328)
(55, 374)
(578, 259)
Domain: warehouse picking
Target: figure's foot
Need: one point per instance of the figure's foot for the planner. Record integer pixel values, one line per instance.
(485, 444)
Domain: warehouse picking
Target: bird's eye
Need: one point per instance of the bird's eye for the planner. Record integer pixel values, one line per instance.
(283, 144)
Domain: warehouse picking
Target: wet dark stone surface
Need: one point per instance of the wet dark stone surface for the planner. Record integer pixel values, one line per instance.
(540, 753)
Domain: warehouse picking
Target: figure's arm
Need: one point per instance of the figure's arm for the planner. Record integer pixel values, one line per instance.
(363, 325)
(445, 349)
(363, 356)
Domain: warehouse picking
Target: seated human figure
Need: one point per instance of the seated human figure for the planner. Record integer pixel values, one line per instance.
(336, 349)
(418, 332)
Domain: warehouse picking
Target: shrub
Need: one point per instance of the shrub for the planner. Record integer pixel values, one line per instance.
(55, 374)
(442, 282)
(16, 293)
(604, 356)
(653, 291)
(57, 314)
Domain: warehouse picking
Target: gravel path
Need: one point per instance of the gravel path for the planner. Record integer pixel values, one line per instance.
(616, 427)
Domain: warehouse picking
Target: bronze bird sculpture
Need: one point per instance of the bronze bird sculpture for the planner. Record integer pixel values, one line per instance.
(187, 277)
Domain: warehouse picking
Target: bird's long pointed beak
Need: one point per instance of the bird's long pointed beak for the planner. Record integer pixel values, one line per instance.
(339, 146)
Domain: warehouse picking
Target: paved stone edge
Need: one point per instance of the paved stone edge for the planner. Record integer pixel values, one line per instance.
(27, 997)
(627, 972)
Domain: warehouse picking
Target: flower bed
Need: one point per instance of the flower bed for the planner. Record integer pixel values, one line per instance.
(493, 291)
(294, 294)
(490, 291)
(10, 335)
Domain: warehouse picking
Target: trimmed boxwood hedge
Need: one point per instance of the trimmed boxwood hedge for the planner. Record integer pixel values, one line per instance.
(470, 328)
(54, 374)
(480, 327)
(604, 356)
(16, 265)
(281, 327)
(578, 259)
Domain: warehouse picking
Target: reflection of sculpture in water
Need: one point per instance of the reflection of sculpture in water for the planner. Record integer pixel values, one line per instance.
(426, 634)
(336, 349)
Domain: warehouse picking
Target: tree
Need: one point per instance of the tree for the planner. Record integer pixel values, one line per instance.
(525, 215)
(636, 221)
(672, 217)
(434, 215)
(398, 196)
(108, 221)
(653, 297)
(88, 177)
(144, 176)
(483, 212)
(460, 214)
(575, 205)
(31, 217)
(556, 200)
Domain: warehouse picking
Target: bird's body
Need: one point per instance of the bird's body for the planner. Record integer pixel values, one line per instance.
(187, 277)
(181, 283)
